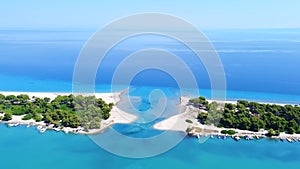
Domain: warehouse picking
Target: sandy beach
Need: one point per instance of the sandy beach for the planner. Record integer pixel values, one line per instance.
(116, 115)
(188, 119)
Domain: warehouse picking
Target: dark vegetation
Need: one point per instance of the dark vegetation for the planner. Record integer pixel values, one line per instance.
(229, 132)
(63, 111)
(251, 116)
(189, 121)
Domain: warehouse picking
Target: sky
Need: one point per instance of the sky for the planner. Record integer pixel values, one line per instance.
(205, 14)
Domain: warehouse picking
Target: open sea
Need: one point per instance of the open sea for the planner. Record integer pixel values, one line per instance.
(259, 64)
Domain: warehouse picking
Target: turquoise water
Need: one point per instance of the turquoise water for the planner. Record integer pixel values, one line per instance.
(23, 147)
(260, 65)
(63, 151)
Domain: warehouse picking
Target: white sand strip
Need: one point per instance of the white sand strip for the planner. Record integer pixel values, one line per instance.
(116, 115)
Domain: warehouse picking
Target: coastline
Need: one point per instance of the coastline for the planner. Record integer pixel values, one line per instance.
(116, 115)
(188, 119)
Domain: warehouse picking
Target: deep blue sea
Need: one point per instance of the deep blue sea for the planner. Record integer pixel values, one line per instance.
(260, 65)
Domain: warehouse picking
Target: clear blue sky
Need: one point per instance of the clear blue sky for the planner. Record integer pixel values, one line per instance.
(215, 14)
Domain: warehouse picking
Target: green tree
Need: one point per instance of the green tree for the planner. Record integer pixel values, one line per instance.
(273, 132)
(95, 123)
(37, 118)
(2, 98)
(27, 117)
(245, 103)
(231, 132)
(47, 100)
(202, 117)
(23, 98)
(291, 130)
(7, 116)
(256, 124)
(11, 98)
(230, 106)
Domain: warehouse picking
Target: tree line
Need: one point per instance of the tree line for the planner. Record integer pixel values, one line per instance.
(63, 111)
(251, 116)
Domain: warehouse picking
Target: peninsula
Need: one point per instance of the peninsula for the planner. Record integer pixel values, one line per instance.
(62, 111)
(237, 119)
(200, 117)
